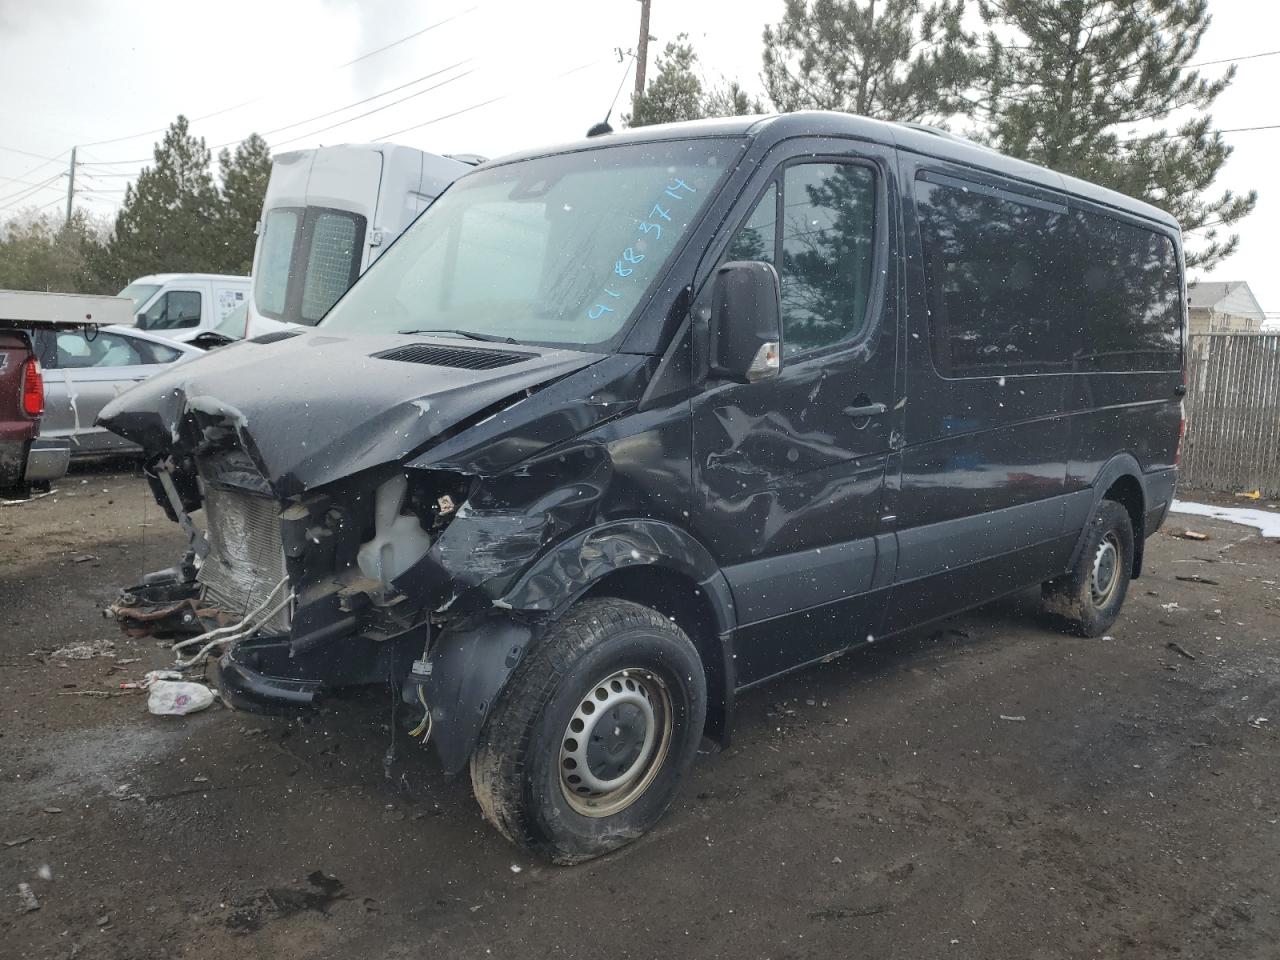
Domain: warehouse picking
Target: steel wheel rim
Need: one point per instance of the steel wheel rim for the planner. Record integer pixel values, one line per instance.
(1105, 575)
(616, 742)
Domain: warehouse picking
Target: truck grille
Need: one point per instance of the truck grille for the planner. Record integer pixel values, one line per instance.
(246, 555)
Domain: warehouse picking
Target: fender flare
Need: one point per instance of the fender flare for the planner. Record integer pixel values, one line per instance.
(1121, 465)
(471, 661)
(563, 574)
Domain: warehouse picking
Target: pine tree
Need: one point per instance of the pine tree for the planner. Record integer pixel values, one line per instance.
(1077, 85)
(893, 60)
(41, 252)
(244, 187)
(678, 92)
(170, 215)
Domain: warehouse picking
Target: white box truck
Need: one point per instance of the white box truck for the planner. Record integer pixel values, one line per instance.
(328, 214)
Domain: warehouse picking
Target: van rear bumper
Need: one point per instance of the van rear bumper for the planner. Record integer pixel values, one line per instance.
(1159, 487)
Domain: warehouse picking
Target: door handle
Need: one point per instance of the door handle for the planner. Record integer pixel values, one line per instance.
(867, 410)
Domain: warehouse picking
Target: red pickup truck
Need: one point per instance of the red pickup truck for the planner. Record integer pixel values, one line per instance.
(26, 459)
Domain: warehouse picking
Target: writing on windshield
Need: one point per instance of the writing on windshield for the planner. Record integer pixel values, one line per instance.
(625, 267)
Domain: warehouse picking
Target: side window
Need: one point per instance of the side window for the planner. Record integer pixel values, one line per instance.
(72, 350)
(155, 352)
(997, 278)
(78, 352)
(828, 248)
(756, 239)
(1129, 295)
(333, 262)
(173, 311)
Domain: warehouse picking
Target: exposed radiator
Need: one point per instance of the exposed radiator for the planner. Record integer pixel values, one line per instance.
(246, 555)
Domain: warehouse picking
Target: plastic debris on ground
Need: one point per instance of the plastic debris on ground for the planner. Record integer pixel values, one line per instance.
(1268, 524)
(27, 901)
(176, 698)
(149, 678)
(85, 651)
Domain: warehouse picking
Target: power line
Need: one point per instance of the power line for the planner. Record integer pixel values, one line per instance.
(43, 206)
(319, 116)
(367, 113)
(396, 43)
(1251, 56)
(28, 153)
(358, 103)
(477, 106)
(31, 191)
(340, 66)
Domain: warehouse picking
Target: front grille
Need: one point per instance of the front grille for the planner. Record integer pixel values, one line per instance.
(462, 357)
(246, 555)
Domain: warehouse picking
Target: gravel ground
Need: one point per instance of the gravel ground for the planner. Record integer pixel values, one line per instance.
(986, 789)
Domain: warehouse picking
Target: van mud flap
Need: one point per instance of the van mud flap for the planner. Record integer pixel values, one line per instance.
(466, 671)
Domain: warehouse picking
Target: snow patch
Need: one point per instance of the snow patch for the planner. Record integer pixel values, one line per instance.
(1267, 523)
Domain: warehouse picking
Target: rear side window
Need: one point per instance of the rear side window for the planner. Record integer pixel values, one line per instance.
(156, 352)
(1130, 297)
(997, 282)
(1021, 285)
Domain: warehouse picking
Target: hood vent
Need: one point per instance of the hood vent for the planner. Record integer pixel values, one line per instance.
(276, 336)
(464, 358)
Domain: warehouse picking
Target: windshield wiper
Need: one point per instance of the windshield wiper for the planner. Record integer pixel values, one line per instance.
(469, 334)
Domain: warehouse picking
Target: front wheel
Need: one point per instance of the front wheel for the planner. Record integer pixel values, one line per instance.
(1090, 595)
(588, 745)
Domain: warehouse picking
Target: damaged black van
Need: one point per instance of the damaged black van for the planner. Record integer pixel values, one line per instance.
(619, 429)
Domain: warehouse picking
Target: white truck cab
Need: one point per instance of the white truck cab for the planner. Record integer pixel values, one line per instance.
(328, 214)
(181, 306)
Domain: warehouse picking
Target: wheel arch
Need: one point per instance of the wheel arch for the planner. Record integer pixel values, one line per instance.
(1120, 480)
(646, 561)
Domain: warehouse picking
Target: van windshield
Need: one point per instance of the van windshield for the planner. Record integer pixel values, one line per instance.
(557, 249)
(139, 293)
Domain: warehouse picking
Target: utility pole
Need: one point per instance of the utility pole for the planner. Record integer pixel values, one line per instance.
(71, 185)
(642, 48)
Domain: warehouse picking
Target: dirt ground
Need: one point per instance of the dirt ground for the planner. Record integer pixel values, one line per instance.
(987, 789)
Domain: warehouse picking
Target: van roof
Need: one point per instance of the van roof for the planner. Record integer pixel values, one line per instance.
(163, 278)
(913, 137)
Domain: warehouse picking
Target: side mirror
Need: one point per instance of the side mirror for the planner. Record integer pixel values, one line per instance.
(746, 322)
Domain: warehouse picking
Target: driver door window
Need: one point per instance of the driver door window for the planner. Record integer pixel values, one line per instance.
(175, 310)
(823, 253)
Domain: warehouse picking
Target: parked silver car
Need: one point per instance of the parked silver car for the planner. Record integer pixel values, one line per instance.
(84, 370)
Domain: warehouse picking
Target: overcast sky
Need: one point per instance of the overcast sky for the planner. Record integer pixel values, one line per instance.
(87, 71)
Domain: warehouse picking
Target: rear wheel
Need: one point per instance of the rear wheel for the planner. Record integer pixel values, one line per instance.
(1089, 597)
(586, 748)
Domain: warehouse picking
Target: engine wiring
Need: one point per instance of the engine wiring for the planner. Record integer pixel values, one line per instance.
(423, 729)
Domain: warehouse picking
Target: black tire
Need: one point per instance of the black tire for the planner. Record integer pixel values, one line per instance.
(1086, 598)
(516, 770)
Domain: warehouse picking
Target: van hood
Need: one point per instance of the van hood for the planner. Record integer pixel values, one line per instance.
(310, 408)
